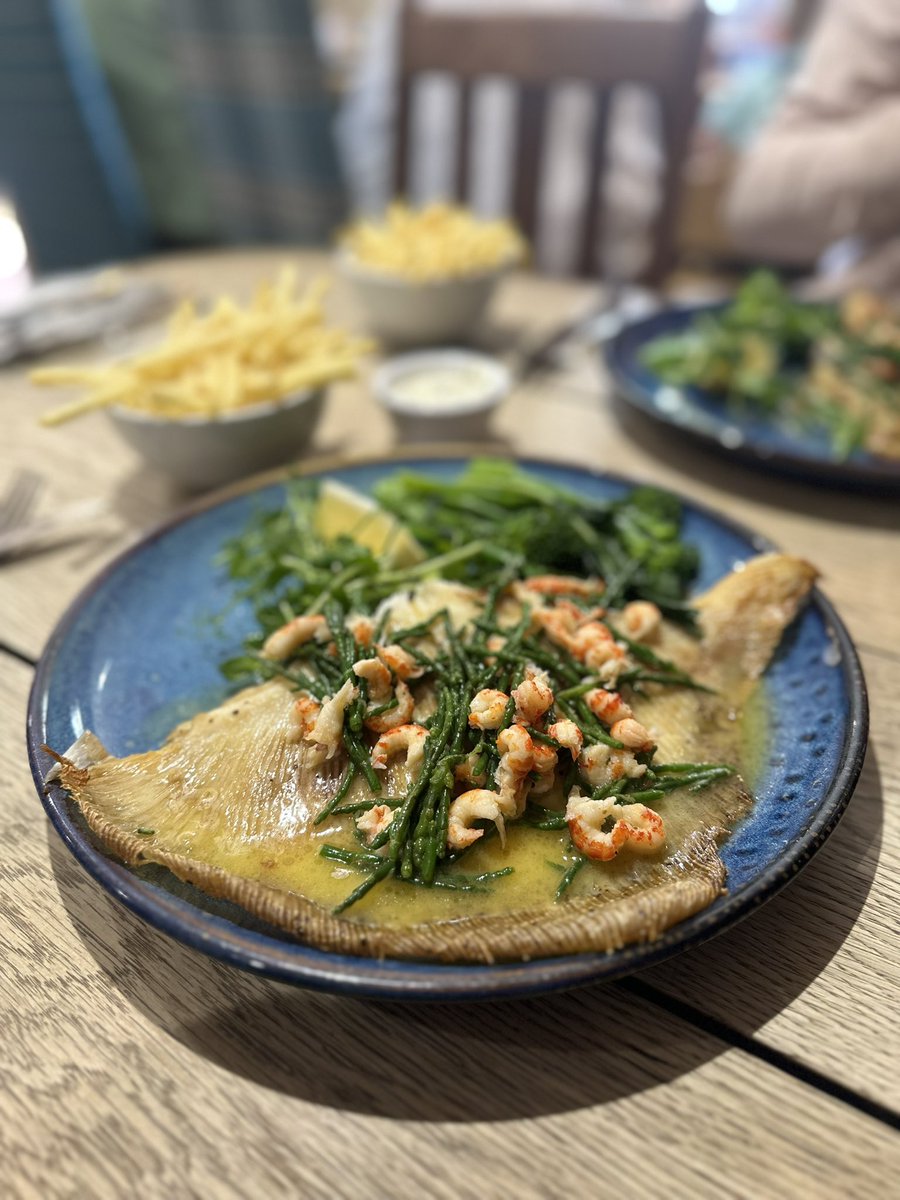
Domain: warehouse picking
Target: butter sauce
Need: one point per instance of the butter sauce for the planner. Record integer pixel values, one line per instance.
(538, 857)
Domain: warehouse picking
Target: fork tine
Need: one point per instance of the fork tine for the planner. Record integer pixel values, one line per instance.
(19, 498)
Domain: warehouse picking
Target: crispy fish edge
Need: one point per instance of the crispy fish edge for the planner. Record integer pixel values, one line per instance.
(574, 926)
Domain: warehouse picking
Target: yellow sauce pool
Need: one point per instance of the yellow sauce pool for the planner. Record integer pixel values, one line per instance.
(538, 857)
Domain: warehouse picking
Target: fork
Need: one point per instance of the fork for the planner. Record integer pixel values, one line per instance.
(19, 499)
(71, 522)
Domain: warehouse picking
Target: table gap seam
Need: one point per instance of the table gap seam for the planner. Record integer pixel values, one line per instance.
(879, 651)
(5, 648)
(778, 1059)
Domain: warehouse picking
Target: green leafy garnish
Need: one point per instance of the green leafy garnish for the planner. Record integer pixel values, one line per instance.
(804, 363)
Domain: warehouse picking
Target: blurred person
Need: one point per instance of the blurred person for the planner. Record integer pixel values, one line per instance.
(255, 91)
(127, 126)
(129, 40)
(228, 115)
(822, 180)
(64, 160)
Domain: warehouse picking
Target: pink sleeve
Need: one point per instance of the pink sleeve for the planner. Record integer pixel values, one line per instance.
(828, 165)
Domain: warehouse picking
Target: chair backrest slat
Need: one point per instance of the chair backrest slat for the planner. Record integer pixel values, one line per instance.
(593, 215)
(532, 114)
(463, 144)
(539, 52)
(402, 122)
(677, 119)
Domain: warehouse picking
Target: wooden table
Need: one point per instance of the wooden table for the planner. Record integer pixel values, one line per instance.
(762, 1064)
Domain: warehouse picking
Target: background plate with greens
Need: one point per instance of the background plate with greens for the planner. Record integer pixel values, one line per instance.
(752, 435)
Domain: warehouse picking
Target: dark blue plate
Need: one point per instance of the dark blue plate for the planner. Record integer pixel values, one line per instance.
(739, 433)
(138, 651)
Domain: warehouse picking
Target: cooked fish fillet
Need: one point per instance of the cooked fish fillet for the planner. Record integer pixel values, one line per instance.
(227, 804)
(743, 617)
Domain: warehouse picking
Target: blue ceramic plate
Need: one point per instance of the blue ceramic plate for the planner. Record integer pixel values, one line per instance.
(137, 652)
(757, 439)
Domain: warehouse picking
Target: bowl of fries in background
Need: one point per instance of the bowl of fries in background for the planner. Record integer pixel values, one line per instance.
(425, 276)
(226, 393)
(198, 453)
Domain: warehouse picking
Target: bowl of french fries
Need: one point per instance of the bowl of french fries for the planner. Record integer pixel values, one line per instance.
(425, 276)
(226, 392)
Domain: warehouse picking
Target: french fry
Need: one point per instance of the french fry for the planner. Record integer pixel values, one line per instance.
(435, 242)
(115, 392)
(222, 361)
(66, 376)
(182, 317)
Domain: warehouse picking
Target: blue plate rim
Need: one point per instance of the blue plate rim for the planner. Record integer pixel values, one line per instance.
(293, 962)
(876, 473)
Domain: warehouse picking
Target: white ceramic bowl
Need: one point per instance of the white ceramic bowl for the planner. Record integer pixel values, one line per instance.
(204, 452)
(408, 312)
(448, 419)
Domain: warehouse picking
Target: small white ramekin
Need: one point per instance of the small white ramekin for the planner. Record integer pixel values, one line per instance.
(464, 421)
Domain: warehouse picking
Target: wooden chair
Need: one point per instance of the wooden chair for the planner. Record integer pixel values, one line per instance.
(539, 52)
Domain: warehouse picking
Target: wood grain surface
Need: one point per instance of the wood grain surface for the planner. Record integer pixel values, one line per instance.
(764, 1063)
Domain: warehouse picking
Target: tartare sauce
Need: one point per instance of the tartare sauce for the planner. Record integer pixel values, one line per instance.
(442, 388)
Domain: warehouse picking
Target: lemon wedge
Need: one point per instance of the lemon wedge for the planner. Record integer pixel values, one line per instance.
(342, 510)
